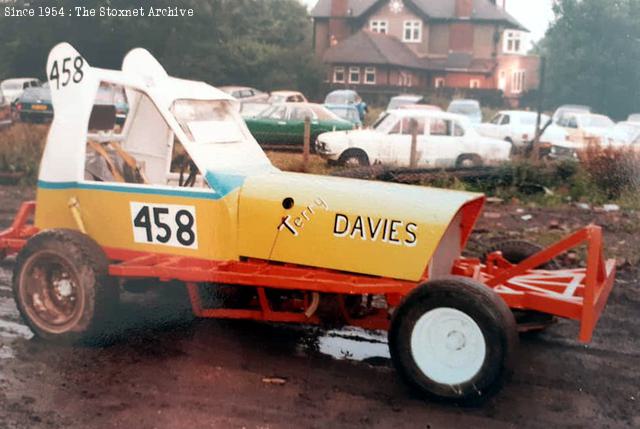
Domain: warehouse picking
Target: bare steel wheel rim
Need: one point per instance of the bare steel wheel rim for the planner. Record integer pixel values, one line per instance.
(51, 293)
(448, 346)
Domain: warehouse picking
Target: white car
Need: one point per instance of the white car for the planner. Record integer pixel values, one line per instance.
(13, 88)
(443, 140)
(587, 126)
(519, 127)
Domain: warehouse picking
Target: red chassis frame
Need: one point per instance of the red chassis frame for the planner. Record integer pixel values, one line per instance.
(578, 294)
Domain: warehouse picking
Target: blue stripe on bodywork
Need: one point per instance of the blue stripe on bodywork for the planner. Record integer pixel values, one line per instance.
(225, 185)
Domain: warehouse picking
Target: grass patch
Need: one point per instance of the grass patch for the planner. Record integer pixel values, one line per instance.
(21, 147)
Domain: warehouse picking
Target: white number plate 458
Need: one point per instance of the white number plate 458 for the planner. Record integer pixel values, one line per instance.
(164, 224)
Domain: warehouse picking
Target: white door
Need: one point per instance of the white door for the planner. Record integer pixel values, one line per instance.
(444, 143)
(400, 141)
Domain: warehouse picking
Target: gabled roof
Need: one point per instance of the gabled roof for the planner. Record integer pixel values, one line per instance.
(366, 47)
(483, 10)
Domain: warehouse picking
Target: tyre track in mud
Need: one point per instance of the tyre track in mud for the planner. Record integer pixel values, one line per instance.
(166, 370)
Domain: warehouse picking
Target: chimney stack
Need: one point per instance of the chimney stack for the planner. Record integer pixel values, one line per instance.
(339, 28)
(464, 8)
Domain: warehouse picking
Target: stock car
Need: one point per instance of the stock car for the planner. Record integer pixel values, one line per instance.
(183, 193)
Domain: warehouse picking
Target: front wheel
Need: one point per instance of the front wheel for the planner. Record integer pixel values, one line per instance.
(453, 339)
(62, 288)
(354, 158)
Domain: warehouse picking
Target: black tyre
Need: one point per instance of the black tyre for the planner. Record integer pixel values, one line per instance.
(469, 161)
(62, 287)
(453, 339)
(354, 158)
(516, 251)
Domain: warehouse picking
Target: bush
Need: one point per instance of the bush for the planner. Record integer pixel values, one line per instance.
(613, 170)
(21, 148)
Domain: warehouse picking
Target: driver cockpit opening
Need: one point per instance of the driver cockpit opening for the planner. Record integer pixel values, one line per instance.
(129, 141)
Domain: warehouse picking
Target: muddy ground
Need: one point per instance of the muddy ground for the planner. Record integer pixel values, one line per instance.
(167, 370)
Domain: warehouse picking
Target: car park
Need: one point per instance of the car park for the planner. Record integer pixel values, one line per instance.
(346, 97)
(519, 128)
(403, 100)
(294, 248)
(287, 97)
(13, 88)
(347, 112)
(443, 140)
(283, 123)
(34, 105)
(468, 108)
(246, 94)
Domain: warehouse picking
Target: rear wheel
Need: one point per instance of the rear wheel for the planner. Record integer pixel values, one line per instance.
(453, 339)
(62, 288)
(354, 158)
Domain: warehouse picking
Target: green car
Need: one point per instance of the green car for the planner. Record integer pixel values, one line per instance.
(283, 124)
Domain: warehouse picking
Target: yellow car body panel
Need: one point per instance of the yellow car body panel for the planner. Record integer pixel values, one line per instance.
(344, 224)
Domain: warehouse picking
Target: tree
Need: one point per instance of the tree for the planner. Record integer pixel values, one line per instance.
(262, 43)
(593, 55)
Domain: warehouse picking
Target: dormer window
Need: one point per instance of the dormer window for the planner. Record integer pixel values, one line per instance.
(412, 31)
(513, 42)
(379, 26)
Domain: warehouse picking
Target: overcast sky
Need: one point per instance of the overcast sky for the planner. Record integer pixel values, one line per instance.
(533, 14)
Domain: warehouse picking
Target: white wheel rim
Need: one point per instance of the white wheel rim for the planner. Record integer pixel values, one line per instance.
(448, 346)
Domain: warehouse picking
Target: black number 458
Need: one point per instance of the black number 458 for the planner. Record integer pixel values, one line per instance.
(183, 219)
(69, 70)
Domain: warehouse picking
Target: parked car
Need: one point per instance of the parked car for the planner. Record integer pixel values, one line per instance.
(347, 112)
(251, 109)
(421, 107)
(114, 95)
(13, 88)
(347, 97)
(444, 140)
(245, 93)
(284, 123)
(625, 133)
(558, 115)
(581, 127)
(5, 111)
(403, 100)
(519, 127)
(34, 105)
(468, 108)
(634, 117)
(287, 97)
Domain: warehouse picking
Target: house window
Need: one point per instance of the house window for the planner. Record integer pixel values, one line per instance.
(412, 31)
(338, 75)
(474, 83)
(439, 82)
(354, 74)
(370, 75)
(405, 79)
(512, 42)
(517, 81)
(379, 26)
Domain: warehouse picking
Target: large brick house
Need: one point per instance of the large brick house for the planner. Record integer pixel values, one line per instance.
(384, 46)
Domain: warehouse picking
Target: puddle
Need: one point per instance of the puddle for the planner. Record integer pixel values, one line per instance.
(349, 343)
